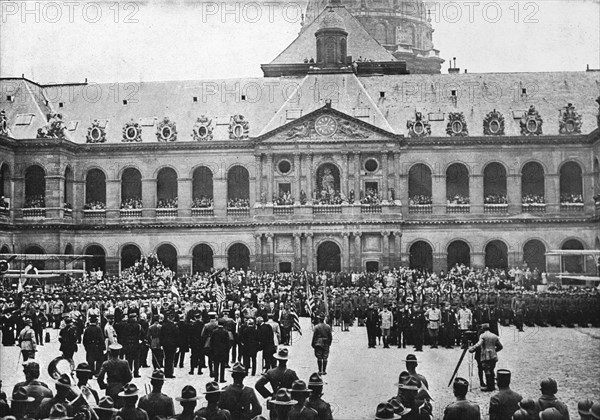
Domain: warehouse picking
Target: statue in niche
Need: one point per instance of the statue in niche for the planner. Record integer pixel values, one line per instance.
(328, 182)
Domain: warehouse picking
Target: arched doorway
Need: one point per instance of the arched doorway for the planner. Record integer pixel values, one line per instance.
(238, 187)
(421, 256)
(5, 249)
(571, 183)
(131, 188)
(69, 249)
(167, 254)
(459, 252)
(202, 188)
(419, 184)
(129, 255)
(534, 254)
(35, 187)
(496, 255)
(573, 263)
(329, 257)
(166, 188)
(457, 184)
(99, 258)
(95, 190)
(532, 183)
(202, 259)
(238, 256)
(34, 249)
(494, 184)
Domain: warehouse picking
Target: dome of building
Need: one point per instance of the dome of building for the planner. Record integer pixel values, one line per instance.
(332, 20)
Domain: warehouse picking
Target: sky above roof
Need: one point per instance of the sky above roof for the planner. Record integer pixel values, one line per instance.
(54, 42)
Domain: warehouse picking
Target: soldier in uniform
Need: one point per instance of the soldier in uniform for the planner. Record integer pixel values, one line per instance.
(417, 325)
(489, 343)
(549, 388)
(212, 410)
(117, 373)
(157, 404)
(461, 409)
(84, 374)
(36, 389)
(504, 404)
(372, 323)
(93, 342)
(63, 393)
(314, 401)
(68, 339)
(299, 393)
(129, 396)
(279, 377)
(188, 401)
(169, 339)
(131, 338)
(105, 410)
(240, 400)
(347, 313)
(321, 342)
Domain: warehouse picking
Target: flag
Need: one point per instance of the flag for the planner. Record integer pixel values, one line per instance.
(295, 321)
(325, 300)
(174, 290)
(20, 288)
(220, 294)
(310, 301)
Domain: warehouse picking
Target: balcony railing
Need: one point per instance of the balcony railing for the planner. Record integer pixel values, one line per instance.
(420, 208)
(34, 213)
(165, 213)
(4, 212)
(458, 208)
(283, 210)
(327, 209)
(238, 211)
(203, 212)
(495, 208)
(571, 207)
(370, 208)
(94, 214)
(130, 213)
(533, 208)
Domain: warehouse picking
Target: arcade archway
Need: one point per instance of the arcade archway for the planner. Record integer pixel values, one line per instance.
(573, 263)
(167, 254)
(421, 256)
(202, 259)
(329, 257)
(459, 252)
(496, 255)
(98, 260)
(534, 254)
(238, 256)
(129, 255)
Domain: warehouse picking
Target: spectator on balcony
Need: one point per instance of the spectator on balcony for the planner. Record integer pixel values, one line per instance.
(458, 200)
(95, 205)
(131, 203)
(371, 197)
(533, 199)
(285, 199)
(35, 202)
(168, 203)
(202, 202)
(495, 199)
(238, 203)
(420, 200)
(571, 199)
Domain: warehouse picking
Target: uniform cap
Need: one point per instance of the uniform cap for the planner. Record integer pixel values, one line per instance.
(20, 395)
(188, 393)
(385, 411)
(551, 413)
(315, 380)
(283, 397)
(129, 390)
(299, 386)
(106, 404)
(461, 384)
(584, 406)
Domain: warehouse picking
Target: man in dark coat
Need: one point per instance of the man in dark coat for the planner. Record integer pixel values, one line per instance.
(279, 377)
(68, 339)
(219, 348)
(196, 343)
(462, 409)
(267, 343)
(93, 342)
(372, 323)
(39, 322)
(504, 404)
(156, 404)
(169, 339)
(240, 400)
(249, 344)
(314, 401)
(321, 342)
(417, 324)
(184, 340)
(117, 373)
(212, 410)
(35, 388)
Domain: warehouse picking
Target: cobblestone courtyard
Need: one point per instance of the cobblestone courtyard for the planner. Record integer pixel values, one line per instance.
(360, 378)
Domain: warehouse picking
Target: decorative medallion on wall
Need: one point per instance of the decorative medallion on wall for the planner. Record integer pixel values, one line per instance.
(419, 127)
(326, 126)
(238, 128)
(54, 129)
(493, 124)
(166, 130)
(132, 132)
(457, 126)
(203, 129)
(531, 123)
(570, 120)
(3, 123)
(95, 133)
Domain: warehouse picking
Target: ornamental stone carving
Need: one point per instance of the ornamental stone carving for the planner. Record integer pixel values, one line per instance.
(54, 129)
(3, 123)
(419, 127)
(95, 133)
(203, 129)
(457, 126)
(493, 124)
(239, 128)
(351, 130)
(132, 132)
(299, 131)
(570, 120)
(531, 123)
(166, 130)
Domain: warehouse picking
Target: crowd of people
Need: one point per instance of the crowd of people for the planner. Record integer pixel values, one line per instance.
(328, 198)
(495, 199)
(420, 200)
(533, 199)
(148, 316)
(202, 202)
(95, 205)
(458, 200)
(284, 199)
(371, 197)
(35, 202)
(131, 203)
(167, 203)
(571, 199)
(238, 203)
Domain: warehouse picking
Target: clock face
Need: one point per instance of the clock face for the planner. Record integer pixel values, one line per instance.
(326, 126)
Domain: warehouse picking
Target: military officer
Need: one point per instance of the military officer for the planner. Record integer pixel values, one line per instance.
(504, 404)
(314, 401)
(461, 409)
(129, 396)
(490, 345)
(279, 377)
(157, 404)
(321, 341)
(240, 400)
(117, 374)
(300, 411)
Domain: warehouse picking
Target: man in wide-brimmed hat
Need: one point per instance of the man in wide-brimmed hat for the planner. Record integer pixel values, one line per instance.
(240, 400)
(105, 410)
(321, 342)
(22, 405)
(157, 404)
(385, 411)
(59, 412)
(84, 374)
(212, 410)
(300, 411)
(63, 393)
(117, 372)
(35, 388)
(282, 404)
(462, 409)
(129, 396)
(279, 377)
(314, 401)
(411, 363)
(188, 401)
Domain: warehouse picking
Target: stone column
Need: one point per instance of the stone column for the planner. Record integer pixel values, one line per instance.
(357, 187)
(439, 193)
(398, 178)
(477, 259)
(397, 258)
(78, 198)
(113, 198)
(310, 254)
(346, 251)
(269, 256)
(552, 183)
(513, 192)
(184, 264)
(297, 251)
(258, 263)
(345, 181)
(18, 194)
(357, 251)
(219, 194)
(384, 171)
(385, 260)
(476, 193)
(148, 197)
(309, 177)
(259, 176)
(269, 167)
(184, 197)
(298, 187)
(54, 196)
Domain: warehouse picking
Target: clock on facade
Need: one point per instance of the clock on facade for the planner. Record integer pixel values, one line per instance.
(326, 125)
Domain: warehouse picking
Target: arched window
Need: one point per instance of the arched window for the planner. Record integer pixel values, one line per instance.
(95, 190)
(329, 257)
(238, 256)
(319, 50)
(166, 188)
(532, 183)
(35, 187)
(202, 187)
(329, 51)
(4, 182)
(596, 180)
(571, 183)
(494, 184)
(496, 255)
(419, 184)
(131, 188)
(457, 184)
(343, 51)
(167, 254)
(459, 252)
(98, 262)
(534, 254)
(68, 188)
(238, 187)
(129, 255)
(573, 263)
(202, 259)
(421, 256)
(37, 263)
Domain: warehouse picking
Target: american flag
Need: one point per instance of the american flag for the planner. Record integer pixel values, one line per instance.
(310, 301)
(295, 321)
(220, 294)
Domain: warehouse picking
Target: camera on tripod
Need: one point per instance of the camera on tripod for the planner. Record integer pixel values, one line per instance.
(469, 338)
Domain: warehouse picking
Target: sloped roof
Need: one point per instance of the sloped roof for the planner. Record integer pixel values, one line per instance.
(360, 42)
(347, 95)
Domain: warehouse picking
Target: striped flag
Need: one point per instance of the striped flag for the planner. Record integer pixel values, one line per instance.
(220, 294)
(295, 321)
(310, 301)
(174, 290)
